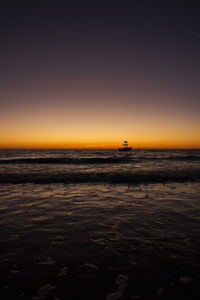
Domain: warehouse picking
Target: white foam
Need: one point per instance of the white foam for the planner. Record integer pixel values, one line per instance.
(115, 296)
(98, 241)
(92, 266)
(59, 237)
(14, 271)
(43, 291)
(185, 280)
(122, 283)
(63, 271)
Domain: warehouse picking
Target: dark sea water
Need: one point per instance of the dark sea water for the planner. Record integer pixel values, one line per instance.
(96, 224)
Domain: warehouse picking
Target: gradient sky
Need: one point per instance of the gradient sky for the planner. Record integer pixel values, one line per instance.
(93, 73)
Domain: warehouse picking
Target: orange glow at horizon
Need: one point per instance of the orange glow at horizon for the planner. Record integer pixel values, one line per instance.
(97, 125)
(48, 139)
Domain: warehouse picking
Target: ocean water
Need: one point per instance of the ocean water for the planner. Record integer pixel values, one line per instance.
(99, 224)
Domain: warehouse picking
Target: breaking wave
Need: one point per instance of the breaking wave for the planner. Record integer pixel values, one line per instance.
(103, 177)
(64, 160)
(95, 160)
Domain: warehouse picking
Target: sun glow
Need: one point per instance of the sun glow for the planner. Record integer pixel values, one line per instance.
(98, 125)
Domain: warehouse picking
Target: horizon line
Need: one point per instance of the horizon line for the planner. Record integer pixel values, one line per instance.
(100, 148)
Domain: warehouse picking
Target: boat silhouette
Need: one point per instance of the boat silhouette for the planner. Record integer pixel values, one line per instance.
(125, 147)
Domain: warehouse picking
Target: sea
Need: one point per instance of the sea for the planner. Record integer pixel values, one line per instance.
(99, 224)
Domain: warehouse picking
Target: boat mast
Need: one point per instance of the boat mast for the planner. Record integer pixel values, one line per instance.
(125, 144)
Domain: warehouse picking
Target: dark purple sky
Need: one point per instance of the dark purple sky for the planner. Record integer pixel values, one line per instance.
(139, 55)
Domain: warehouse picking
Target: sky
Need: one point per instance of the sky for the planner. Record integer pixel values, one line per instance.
(93, 73)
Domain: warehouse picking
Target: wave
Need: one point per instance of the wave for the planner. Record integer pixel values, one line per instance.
(64, 160)
(171, 157)
(123, 177)
(94, 160)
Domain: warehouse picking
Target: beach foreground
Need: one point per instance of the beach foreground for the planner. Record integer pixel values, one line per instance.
(120, 228)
